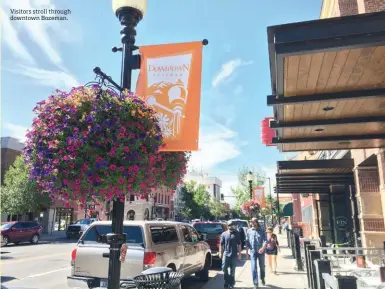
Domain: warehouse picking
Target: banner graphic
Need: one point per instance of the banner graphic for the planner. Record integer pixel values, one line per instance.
(170, 81)
(259, 195)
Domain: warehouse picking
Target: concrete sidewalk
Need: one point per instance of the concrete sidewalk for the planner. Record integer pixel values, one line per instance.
(287, 277)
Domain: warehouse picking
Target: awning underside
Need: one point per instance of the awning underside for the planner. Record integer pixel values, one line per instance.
(313, 176)
(328, 83)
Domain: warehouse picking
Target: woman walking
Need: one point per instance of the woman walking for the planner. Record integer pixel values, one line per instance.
(272, 248)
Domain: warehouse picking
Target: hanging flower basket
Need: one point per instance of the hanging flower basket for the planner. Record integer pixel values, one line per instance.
(250, 208)
(170, 168)
(93, 145)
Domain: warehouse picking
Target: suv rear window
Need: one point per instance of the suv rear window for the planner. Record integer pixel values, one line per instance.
(240, 223)
(163, 234)
(134, 234)
(209, 228)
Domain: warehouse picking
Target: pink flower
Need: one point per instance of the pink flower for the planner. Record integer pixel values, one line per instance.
(126, 149)
(99, 159)
(121, 169)
(112, 167)
(121, 181)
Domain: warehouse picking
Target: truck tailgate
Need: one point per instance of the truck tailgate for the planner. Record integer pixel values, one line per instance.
(91, 263)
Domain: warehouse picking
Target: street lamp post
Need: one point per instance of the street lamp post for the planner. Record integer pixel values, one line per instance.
(129, 13)
(250, 179)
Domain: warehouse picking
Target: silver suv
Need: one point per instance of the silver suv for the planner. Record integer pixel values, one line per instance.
(150, 244)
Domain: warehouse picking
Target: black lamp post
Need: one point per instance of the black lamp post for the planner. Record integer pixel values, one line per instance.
(250, 179)
(154, 214)
(129, 13)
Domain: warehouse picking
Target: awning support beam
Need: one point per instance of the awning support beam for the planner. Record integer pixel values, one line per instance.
(320, 176)
(273, 100)
(316, 164)
(323, 122)
(341, 138)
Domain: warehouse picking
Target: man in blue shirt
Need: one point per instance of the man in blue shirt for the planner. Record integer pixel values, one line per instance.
(229, 250)
(255, 249)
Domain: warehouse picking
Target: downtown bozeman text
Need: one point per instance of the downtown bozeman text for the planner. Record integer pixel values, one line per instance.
(38, 17)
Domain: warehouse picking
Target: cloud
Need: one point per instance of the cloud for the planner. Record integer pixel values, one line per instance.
(51, 78)
(11, 38)
(38, 30)
(217, 144)
(43, 33)
(227, 69)
(16, 131)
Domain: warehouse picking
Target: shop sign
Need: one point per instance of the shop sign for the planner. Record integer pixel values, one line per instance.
(342, 222)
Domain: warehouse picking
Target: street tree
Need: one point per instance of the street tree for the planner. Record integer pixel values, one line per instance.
(188, 201)
(19, 194)
(196, 200)
(218, 209)
(242, 190)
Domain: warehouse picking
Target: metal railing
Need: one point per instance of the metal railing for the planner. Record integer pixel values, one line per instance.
(337, 268)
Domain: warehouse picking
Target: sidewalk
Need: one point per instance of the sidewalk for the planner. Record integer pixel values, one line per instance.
(287, 277)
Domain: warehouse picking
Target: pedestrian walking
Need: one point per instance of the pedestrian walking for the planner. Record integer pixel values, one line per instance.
(255, 250)
(230, 252)
(272, 249)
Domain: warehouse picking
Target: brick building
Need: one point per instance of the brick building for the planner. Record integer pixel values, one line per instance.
(328, 87)
(369, 169)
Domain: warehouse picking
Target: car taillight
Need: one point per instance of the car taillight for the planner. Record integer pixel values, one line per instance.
(73, 255)
(149, 258)
(218, 241)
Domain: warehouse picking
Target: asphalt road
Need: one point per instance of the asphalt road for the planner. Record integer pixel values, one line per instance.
(47, 265)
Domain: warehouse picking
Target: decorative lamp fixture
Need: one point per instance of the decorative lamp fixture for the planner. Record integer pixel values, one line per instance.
(140, 5)
(250, 177)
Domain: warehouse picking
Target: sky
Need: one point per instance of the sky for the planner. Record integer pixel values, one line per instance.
(40, 56)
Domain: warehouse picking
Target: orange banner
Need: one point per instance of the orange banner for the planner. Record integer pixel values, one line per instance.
(259, 195)
(170, 81)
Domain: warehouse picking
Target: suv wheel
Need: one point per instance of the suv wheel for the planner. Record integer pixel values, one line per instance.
(35, 239)
(204, 274)
(4, 241)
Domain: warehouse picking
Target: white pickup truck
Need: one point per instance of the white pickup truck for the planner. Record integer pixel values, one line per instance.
(150, 244)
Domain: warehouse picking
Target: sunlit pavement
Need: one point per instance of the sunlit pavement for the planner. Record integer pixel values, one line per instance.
(47, 265)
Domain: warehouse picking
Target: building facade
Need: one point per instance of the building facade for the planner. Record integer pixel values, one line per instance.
(213, 184)
(160, 204)
(369, 170)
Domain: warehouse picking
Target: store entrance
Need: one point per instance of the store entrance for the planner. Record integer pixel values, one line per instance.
(64, 217)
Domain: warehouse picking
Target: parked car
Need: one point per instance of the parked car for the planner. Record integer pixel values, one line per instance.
(211, 232)
(243, 226)
(78, 228)
(18, 232)
(150, 244)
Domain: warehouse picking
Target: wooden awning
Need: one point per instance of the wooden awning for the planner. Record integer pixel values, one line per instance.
(313, 176)
(328, 83)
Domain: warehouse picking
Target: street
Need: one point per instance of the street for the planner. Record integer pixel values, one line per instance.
(47, 265)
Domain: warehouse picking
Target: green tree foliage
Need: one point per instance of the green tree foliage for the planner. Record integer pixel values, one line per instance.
(197, 203)
(19, 194)
(242, 190)
(218, 210)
